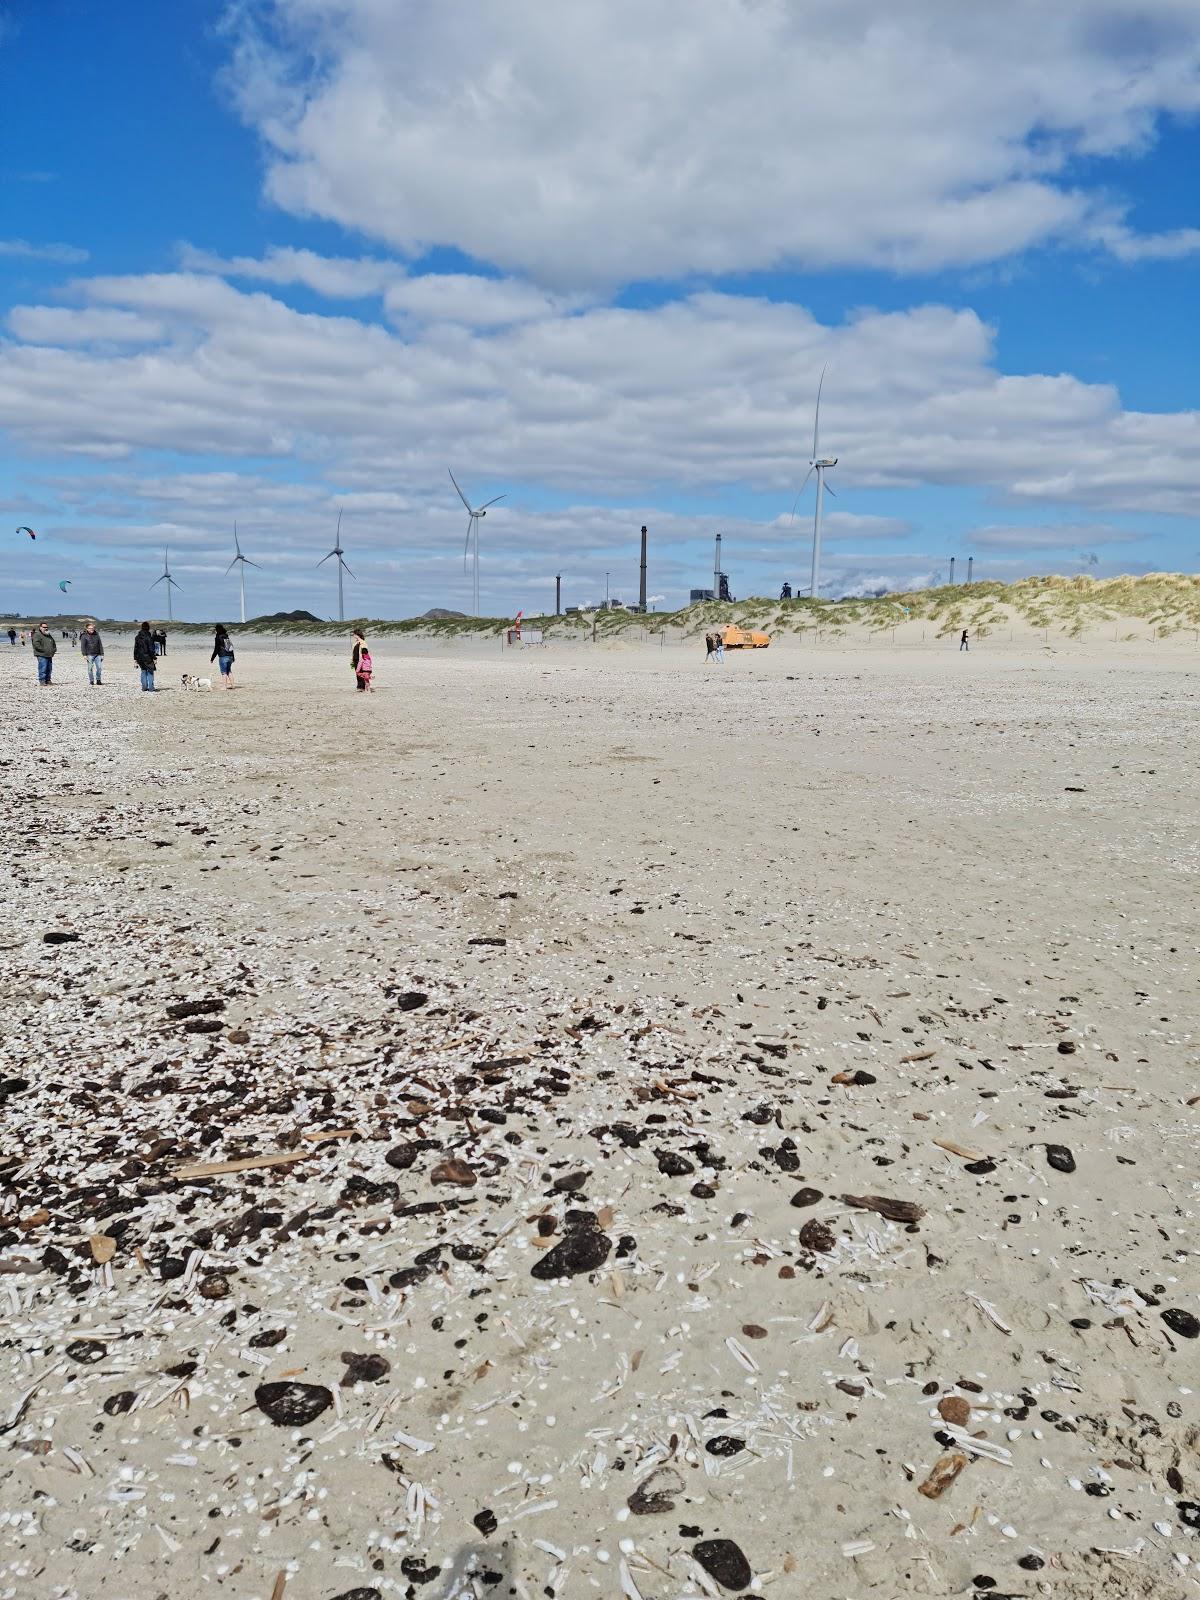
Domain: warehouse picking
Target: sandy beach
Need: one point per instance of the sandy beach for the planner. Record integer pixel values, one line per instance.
(731, 1129)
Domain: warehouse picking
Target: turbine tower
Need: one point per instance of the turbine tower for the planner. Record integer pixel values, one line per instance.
(168, 580)
(241, 562)
(820, 465)
(473, 519)
(341, 566)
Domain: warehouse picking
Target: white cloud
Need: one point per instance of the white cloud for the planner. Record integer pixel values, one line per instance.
(335, 277)
(710, 391)
(609, 140)
(1055, 536)
(474, 301)
(63, 325)
(21, 248)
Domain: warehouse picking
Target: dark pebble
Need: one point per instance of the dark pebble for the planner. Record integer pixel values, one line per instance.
(1060, 1158)
(203, 1025)
(358, 1594)
(703, 1191)
(56, 937)
(364, 1368)
(194, 1008)
(118, 1404)
(1181, 1322)
(724, 1562)
(725, 1444)
(569, 1182)
(292, 1405)
(410, 1000)
(814, 1235)
(807, 1197)
(1067, 1047)
(87, 1351)
(1031, 1563)
(402, 1156)
(485, 1521)
(673, 1165)
(1189, 1514)
(581, 1250)
(267, 1338)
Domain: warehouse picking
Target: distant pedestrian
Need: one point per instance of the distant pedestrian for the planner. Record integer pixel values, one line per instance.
(964, 642)
(720, 641)
(12, 638)
(145, 656)
(91, 647)
(222, 654)
(710, 647)
(360, 660)
(44, 646)
(22, 638)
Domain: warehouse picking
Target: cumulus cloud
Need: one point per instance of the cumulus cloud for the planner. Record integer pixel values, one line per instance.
(708, 391)
(608, 140)
(335, 277)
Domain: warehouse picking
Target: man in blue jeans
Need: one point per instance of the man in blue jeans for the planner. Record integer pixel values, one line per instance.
(144, 655)
(43, 651)
(91, 647)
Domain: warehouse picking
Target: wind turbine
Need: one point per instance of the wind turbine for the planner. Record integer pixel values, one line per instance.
(820, 465)
(473, 530)
(241, 562)
(168, 580)
(341, 566)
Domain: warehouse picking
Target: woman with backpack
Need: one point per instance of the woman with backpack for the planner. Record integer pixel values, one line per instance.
(222, 654)
(360, 661)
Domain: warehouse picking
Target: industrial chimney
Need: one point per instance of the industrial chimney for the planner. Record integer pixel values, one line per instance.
(642, 584)
(951, 569)
(717, 570)
(970, 568)
(558, 594)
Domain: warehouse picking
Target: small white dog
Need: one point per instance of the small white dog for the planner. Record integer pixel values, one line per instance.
(190, 681)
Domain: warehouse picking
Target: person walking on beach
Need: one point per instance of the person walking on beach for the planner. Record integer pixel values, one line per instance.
(222, 654)
(710, 647)
(964, 643)
(12, 638)
(144, 655)
(719, 640)
(360, 660)
(44, 646)
(91, 647)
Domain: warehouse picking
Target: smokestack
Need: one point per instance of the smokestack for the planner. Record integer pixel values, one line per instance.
(951, 569)
(717, 570)
(558, 594)
(970, 568)
(642, 584)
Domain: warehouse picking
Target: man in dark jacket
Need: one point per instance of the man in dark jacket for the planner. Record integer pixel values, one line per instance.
(143, 654)
(44, 646)
(91, 647)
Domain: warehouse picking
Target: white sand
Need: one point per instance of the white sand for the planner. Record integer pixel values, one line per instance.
(855, 857)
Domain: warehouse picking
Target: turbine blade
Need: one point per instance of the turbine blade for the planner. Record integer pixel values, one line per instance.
(157, 581)
(329, 557)
(828, 490)
(345, 568)
(461, 495)
(246, 561)
(817, 413)
(801, 490)
(232, 564)
(236, 545)
(494, 502)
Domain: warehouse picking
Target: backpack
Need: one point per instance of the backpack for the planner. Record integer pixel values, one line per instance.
(364, 663)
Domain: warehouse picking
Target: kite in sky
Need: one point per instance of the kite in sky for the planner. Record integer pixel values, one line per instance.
(29, 531)
(64, 584)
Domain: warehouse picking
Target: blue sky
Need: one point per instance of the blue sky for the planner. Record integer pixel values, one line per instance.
(268, 261)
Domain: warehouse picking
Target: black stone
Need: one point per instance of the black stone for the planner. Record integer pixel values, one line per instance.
(118, 1404)
(292, 1405)
(267, 1338)
(1181, 1322)
(725, 1444)
(87, 1351)
(410, 1000)
(807, 1197)
(724, 1562)
(364, 1368)
(56, 936)
(1060, 1158)
(486, 1522)
(673, 1165)
(581, 1250)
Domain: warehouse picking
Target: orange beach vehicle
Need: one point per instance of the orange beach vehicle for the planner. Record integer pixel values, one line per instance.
(735, 638)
